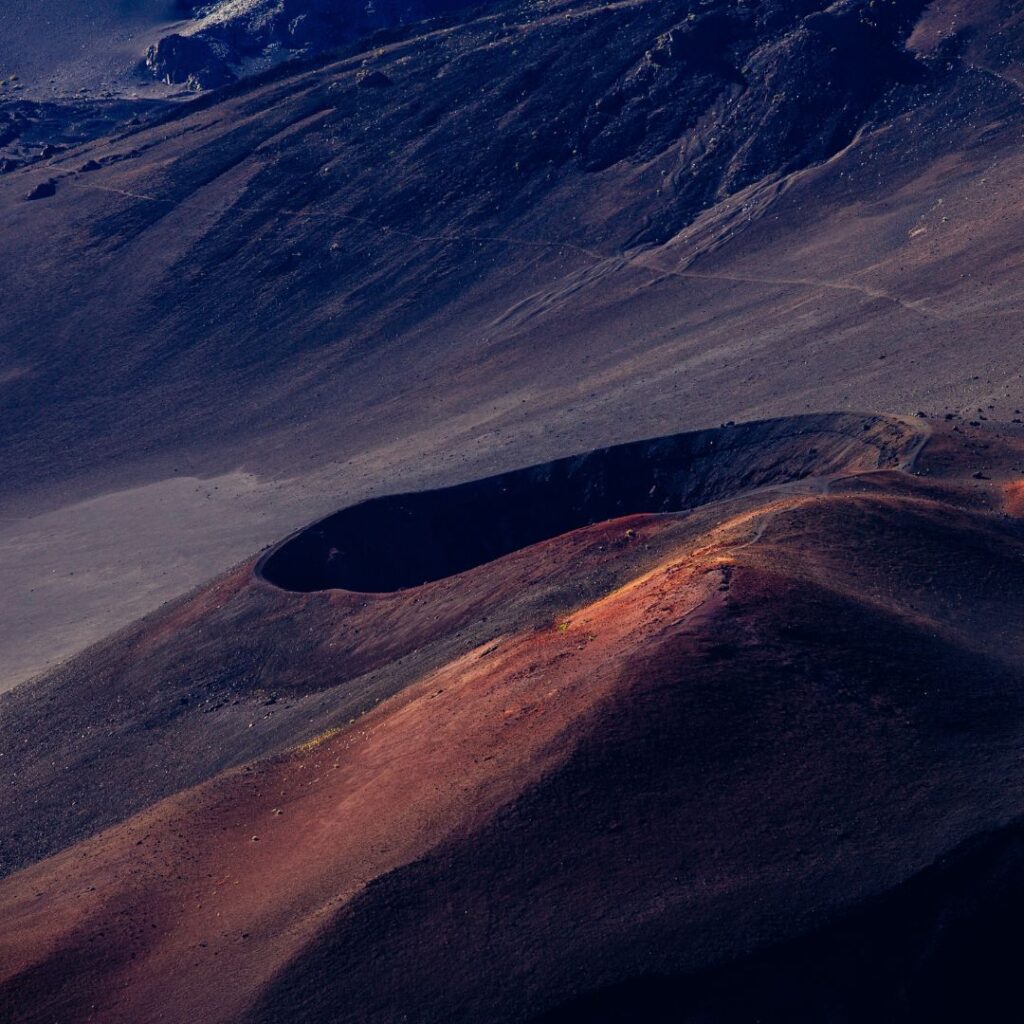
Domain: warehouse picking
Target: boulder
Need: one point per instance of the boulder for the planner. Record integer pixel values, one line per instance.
(43, 190)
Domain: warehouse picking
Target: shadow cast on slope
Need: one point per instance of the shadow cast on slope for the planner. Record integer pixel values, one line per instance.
(942, 948)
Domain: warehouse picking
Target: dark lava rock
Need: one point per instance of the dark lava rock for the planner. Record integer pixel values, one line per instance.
(43, 190)
(702, 39)
(373, 79)
(90, 165)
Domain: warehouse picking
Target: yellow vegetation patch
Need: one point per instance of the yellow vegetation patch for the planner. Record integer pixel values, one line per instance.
(318, 740)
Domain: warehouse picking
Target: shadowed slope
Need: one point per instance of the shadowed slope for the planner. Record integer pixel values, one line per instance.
(940, 949)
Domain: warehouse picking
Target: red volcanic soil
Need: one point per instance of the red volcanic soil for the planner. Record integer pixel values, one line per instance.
(760, 758)
(234, 879)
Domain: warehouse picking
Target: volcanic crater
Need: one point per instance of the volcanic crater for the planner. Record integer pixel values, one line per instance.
(400, 541)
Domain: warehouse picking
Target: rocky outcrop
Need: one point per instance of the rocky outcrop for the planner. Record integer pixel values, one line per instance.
(227, 39)
(750, 92)
(189, 60)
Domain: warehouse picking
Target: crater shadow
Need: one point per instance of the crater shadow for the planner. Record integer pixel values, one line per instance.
(396, 542)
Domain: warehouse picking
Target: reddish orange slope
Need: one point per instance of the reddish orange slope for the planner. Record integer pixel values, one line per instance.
(234, 878)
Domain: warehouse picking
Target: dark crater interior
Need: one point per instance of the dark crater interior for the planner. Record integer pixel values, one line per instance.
(401, 541)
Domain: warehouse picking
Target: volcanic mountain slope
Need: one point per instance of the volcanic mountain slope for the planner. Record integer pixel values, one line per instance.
(305, 228)
(759, 758)
(534, 229)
